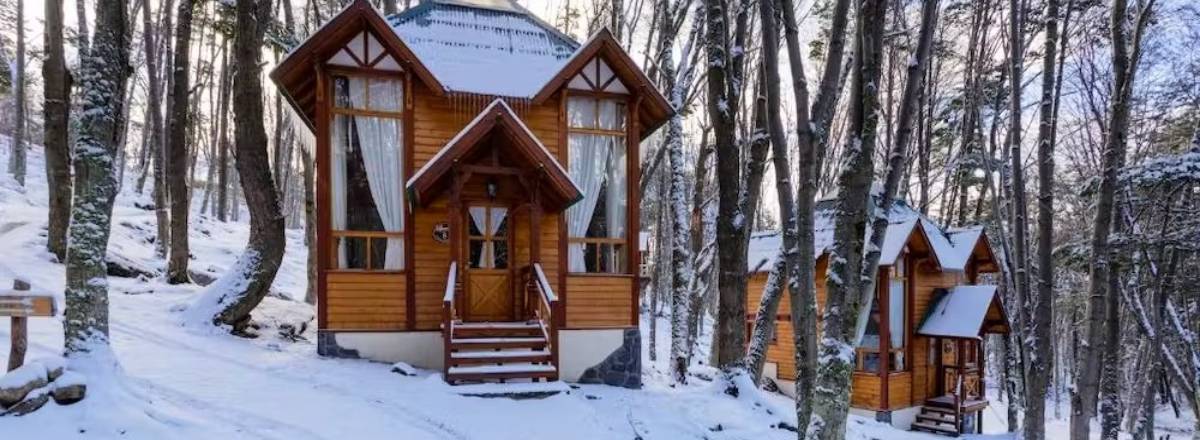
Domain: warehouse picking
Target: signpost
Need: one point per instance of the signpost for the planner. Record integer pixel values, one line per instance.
(19, 304)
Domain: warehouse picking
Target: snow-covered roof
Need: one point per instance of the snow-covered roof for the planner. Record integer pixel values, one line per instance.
(489, 47)
(960, 313)
(951, 248)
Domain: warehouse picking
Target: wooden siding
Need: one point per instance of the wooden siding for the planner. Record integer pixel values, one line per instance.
(596, 301)
(782, 353)
(365, 301)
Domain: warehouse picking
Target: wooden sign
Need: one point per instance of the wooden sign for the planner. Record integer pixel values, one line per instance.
(18, 303)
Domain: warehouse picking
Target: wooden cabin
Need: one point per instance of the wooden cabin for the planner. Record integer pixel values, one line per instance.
(919, 360)
(476, 191)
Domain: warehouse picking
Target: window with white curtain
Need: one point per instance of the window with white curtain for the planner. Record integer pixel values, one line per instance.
(870, 324)
(596, 225)
(367, 173)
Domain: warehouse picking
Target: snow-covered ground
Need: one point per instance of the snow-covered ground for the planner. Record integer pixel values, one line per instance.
(187, 382)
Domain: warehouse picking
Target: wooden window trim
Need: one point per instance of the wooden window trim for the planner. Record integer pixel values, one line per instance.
(402, 116)
(623, 136)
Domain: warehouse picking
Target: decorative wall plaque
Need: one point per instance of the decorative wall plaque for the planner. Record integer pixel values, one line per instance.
(441, 232)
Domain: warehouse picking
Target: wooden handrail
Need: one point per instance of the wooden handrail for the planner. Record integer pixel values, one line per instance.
(546, 307)
(543, 285)
(448, 316)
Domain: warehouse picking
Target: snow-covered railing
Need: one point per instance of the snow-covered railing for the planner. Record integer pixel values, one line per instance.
(544, 306)
(448, 313)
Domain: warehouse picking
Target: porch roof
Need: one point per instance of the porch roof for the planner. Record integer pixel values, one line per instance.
(429, 181)
(965, 312)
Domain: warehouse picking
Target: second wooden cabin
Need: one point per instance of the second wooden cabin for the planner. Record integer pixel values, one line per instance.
(919, 358)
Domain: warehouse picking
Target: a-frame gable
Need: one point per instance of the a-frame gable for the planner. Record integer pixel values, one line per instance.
(621, 71)
(430, 180)
(357, 37)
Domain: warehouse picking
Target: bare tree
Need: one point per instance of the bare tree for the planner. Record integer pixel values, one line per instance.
(177, 148)
(1040, 322)
(1126, 52)
(239, 291)
(844, 286)
(56, 112)
(104, 70)
(16, 160)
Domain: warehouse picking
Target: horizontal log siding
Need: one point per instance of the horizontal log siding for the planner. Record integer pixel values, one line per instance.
(436, 120)
(599, 302)
(365, 301)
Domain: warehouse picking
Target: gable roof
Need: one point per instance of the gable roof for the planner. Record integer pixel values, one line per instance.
(965, 312)
(423, 185)
(487, 47)
(951, 249)
(494, 48)
(294, 73)
(654, 109)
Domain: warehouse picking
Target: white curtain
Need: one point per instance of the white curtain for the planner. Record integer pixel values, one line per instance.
(381, 146)
(337, 182)
(586, 165)
(479, 216)
(896, 313)
(864, 315)
(616, 195)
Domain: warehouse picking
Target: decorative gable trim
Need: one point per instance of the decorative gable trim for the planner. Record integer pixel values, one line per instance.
(358, 21)
(655, 110)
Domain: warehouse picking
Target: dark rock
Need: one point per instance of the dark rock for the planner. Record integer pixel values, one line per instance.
(68, 394)
(34, 401)
(327, 346)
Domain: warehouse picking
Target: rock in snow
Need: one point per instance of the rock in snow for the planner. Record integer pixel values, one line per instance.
(16, 384)
(32, 402)
(404, 369)
(69, 388)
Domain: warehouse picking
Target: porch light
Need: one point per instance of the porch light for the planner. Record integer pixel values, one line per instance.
(491, 189)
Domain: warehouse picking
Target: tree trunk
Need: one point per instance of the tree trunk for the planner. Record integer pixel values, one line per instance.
(680, 250)
(223, 138)
(155, 146)
(244, 286)
(843, 286)
(16, 160)
(310, 226)
(103, 74)
(177, 148)
(1042, 311)
(55, 112)
(736, 198)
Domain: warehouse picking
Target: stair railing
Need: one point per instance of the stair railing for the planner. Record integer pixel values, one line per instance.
(546, 308)
(448, 316)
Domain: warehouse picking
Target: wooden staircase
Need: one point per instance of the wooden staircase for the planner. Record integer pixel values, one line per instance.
(499, 352)
(938, 420)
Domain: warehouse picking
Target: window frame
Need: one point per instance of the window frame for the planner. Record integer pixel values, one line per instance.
(619, 245)
(333, 111)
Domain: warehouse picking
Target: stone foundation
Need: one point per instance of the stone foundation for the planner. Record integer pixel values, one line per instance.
(327, 346)
(623, 367)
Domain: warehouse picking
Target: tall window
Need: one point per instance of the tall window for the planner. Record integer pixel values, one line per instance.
(367, 173)
(870, 324)
(596, 225)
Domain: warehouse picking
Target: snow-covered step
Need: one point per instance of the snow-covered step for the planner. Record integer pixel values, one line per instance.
(936, 417)
(492, 343)
(501, 372)
(497, 329)
(935, 428)
(498, 357)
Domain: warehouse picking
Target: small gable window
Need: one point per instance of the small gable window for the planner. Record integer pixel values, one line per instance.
(367, 173)
(597, 76)
(596, 225)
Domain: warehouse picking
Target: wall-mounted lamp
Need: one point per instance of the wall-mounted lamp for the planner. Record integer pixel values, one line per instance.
(491, 189)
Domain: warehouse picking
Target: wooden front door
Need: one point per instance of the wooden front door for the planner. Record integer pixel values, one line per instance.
(489, 286)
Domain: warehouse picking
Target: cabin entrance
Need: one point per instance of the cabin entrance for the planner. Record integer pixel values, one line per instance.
(489, 274)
